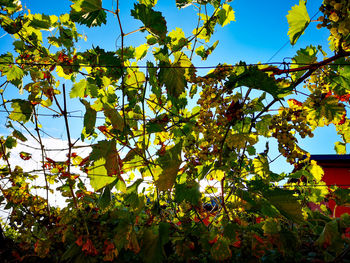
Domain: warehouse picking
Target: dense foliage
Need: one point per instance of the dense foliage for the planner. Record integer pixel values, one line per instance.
(192, 139)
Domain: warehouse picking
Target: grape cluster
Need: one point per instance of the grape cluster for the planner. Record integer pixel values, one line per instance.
(205, 143)
(284, 126)
(336, 18)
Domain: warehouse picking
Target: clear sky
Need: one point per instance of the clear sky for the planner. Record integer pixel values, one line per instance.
(259, 32)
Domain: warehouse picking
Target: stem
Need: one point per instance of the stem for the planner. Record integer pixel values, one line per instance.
(311, 67)
(42, 148)
(134, 31)
(70, 145)
(122, 59)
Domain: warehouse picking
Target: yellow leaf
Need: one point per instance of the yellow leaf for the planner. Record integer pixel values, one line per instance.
(316, 171)
(141, 51)
(261, 166)
(216, 175)
(239, 141)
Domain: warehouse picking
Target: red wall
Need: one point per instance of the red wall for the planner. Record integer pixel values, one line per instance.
(336, 173)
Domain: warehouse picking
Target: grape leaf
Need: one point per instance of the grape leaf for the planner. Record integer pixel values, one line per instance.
(344, 131)
(204, 53)
(241, 140)
(172, 76)
(329, 234)
(340, 147)
(115, 118)
(271, 227)
(298, 20)
(106, 198)
(88, 12)
(304, 57)
(10, 142)
(141, 51)
(183, 3)
(221, 251)
(98, 56)
(89, 118)
(82, 88)
(17, 134)
(40, 21)
(148, 2)
(170, 163)
(254, 78)
(151, 249)
(12, 72)
(153, 20)
(286, 203)
(261, 166)
(134, 78)
(98, 175)
(187, 192)
(105, 166)
(178, 39)
(316, 171)
(226, 15)
(22, 110)
(321, 112)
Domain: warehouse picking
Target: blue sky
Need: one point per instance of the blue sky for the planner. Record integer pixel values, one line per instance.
(259, 31)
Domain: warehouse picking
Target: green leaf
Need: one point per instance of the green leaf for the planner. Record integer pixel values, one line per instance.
(141, 51)
(17, 134)
(188, 192)
(106, 198)
(71, 253)
(115, 118)
(204, 53)
(8, 69)
(11, 26)
(261, 166)
(98, 175)
(286, 203)
(178, 39)
(271, 227)
(89, 118)
(81, 89)
(203, 170)
(298, 20)
(329, 234)
(133, 188)
(134, 78)
(105, 167)
(183, 3)
(226, 15)
(321, 112)
(121, 186)
(98, 56)
(88, 12)
(170, 164)
(172, 76)
(40, 21)
(152, 250)
(150, 3)
(263, 126)
(342, 196)
(22, 110)
(10, 142)
(221, 251)
(340, 147)
(254, 78)
(304, 57)
(153, 20)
